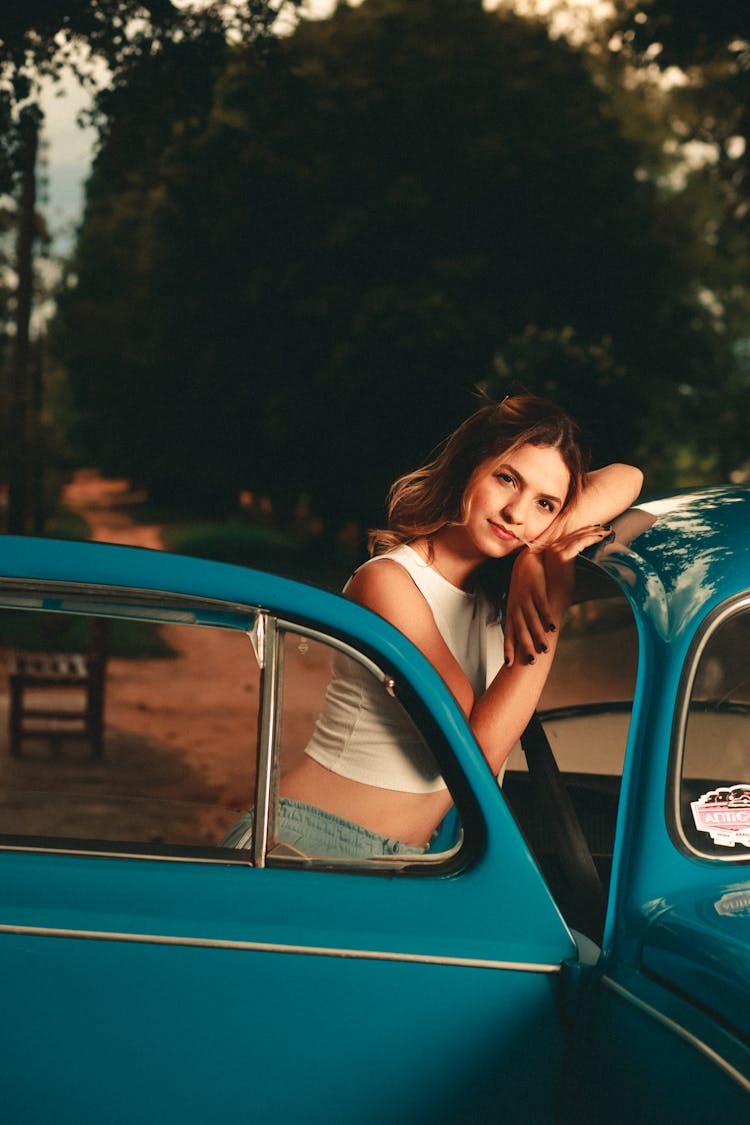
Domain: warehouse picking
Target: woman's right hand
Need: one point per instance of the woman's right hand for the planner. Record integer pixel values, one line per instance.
(541, 587)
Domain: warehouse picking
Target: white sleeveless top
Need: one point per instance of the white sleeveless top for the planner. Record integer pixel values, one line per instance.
(363, 733)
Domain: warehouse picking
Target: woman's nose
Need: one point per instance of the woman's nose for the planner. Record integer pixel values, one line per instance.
(513, 511)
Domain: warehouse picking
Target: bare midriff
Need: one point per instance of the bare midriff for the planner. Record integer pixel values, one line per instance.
(409, 817)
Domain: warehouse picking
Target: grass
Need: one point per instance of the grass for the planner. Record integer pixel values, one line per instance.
(263, 548)
(69, 632)
(66, 524)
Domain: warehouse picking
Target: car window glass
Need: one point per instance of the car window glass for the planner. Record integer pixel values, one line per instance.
(714, 793)
(340, 725)
(119, 733)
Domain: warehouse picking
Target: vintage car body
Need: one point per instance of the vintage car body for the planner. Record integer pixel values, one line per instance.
(149, 981)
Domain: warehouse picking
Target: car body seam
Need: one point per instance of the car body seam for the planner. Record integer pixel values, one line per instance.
(677, 1029)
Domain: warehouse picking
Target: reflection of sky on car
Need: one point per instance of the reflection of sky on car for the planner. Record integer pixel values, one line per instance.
(704, 544)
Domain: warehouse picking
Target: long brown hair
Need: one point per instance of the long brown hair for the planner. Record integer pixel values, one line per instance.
(433, 496)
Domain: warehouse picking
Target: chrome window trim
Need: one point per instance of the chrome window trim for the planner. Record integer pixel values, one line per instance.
(279, 947)
(227, 856)
(287, 626)
(99, 599)
(727, 610)
(678, 1030)
(271, 659)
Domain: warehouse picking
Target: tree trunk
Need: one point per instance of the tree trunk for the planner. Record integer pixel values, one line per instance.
(20, 484)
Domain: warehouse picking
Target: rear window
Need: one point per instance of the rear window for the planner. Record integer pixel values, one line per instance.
(712, 759)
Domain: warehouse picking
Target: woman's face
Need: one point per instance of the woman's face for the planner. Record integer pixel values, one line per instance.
(514, 498)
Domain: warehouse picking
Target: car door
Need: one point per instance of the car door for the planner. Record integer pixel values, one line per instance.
(665, 1033)
(150, 973)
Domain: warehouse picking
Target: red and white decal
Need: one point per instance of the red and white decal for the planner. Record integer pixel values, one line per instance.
(725, 815)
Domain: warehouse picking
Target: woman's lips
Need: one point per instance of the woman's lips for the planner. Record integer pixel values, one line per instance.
(502, 532)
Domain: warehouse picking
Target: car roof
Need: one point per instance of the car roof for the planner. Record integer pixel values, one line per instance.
(678, 556)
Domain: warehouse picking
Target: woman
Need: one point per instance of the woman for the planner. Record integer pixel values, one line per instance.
(509, 484)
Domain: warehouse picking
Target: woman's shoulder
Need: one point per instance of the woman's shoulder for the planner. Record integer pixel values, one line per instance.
(403, 554)
(394, 566)
(386, 583)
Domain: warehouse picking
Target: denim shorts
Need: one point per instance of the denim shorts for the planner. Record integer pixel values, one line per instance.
(319, 833)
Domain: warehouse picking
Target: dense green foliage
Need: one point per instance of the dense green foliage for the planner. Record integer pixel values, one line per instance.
(293, 554)
(44, 40)
(707, 116)
(296, 265)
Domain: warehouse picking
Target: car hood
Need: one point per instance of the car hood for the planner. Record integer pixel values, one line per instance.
(699, 945)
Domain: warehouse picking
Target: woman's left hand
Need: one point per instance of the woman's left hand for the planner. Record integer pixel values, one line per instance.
(541, 586)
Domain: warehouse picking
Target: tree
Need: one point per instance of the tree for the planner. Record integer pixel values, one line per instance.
(709, 42)
(40, 39)
(708, 112)
(317, 257)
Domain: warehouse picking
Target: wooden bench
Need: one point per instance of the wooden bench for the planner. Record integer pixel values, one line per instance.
(52, 672)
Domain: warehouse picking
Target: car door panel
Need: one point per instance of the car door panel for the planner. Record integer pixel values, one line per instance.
(185, 1033)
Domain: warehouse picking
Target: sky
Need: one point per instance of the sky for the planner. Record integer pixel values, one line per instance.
(69, 150)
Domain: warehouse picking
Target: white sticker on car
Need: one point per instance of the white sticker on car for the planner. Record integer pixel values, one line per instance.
(725, 815)
(734, 904)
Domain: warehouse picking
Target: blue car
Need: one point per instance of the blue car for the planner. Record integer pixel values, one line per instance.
(574, 946)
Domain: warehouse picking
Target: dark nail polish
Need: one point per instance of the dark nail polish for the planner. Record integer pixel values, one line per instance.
(542, 648)
(530, 659)
(551, 628)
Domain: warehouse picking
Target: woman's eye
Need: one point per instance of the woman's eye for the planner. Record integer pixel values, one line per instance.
(506, 478)
(547, 506)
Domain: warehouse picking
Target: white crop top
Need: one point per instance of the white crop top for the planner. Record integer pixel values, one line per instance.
(363, 733)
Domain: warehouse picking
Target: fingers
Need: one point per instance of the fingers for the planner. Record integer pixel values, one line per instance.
(571, 545)
(527, 632)
(529, 617)
(509, 641)
(519, 645)
(540, 591)
(545, 616)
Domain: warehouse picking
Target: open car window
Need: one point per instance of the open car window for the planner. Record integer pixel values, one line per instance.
(585, 711)
(329, 708)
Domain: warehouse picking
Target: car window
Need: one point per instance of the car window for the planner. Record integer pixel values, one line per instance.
(585, 711)
(121, 734)
(338, 715)
(158, 730)
(713, 780)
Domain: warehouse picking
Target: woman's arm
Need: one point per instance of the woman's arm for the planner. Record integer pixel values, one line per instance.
(499, 716)
(529, 616)
(606, 492)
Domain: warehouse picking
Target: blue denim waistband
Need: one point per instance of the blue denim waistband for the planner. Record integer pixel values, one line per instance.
(320, 833)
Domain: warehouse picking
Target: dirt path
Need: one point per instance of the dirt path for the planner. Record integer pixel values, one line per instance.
(103, 504)
(180, 731)
(165, 700)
